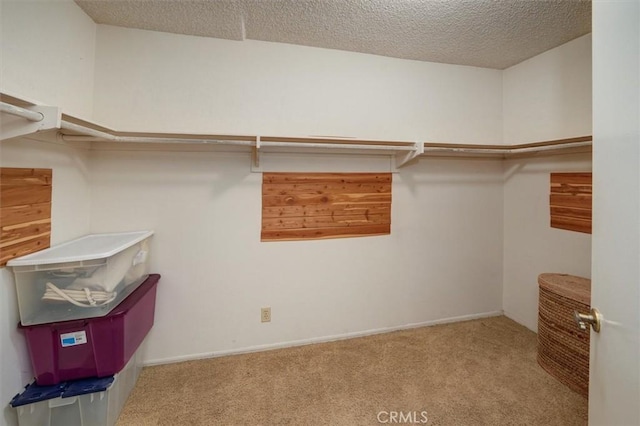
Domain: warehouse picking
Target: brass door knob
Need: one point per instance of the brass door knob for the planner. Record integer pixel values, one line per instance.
(583, 320)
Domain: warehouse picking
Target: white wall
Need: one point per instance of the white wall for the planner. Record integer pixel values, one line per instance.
(531, 246)
(546, 97)
(70, 218)
(205, 208)
(442, 260)
(162, 82)
(47, 54)
(549, 96)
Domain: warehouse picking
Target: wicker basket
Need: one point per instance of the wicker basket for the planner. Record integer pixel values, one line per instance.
(563, 349)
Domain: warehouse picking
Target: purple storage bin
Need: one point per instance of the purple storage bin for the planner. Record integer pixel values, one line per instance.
(93, 347)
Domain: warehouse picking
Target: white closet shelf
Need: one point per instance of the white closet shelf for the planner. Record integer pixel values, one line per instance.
(72, 129)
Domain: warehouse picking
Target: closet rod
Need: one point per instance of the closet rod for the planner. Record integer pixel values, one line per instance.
(336, 146)
(428, 149)
(93, 134)
(550, 147)
(506, 150)
(21, 112)
(90, 134)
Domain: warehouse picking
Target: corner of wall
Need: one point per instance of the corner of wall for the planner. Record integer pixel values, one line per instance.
(546, 97)
(48, 54)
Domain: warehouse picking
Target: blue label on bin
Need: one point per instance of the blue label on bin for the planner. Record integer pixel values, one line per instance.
(73, 339)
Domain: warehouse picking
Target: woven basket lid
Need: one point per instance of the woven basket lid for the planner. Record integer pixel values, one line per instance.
(569, 286)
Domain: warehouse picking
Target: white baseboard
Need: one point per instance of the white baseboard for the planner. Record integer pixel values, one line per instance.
(323, 339)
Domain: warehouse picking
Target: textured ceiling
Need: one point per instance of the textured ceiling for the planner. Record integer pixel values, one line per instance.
(484, 33)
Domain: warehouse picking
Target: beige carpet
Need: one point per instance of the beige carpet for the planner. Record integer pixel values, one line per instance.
(481, 372)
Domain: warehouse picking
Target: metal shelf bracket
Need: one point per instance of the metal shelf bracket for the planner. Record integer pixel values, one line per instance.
(255, 157)
(403, 159)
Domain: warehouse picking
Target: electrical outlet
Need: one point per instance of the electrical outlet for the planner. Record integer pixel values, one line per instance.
(265, 314)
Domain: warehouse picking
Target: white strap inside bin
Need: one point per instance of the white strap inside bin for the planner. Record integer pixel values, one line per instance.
(98, 288)
(84, 298)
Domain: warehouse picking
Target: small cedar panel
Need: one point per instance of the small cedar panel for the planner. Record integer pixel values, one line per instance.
(25, 211)
(570, 201)
(307, 206)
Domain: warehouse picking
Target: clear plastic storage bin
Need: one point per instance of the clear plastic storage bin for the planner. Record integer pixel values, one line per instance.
(88, 402)
(83, 278)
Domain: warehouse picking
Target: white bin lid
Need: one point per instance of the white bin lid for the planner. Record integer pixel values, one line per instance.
(89, 247)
